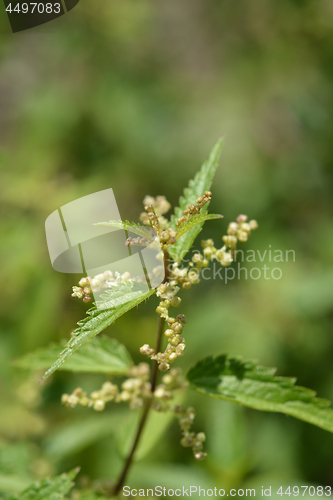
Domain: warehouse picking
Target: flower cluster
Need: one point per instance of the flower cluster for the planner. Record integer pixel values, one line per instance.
(190, 439)
(176, 343)
(141, 242)
(154, 210)
(194, 209)
(100, 282)
(163, 392)
(239, 231)
(133, 391)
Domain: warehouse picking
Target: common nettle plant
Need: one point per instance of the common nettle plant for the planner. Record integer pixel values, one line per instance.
(153, 385)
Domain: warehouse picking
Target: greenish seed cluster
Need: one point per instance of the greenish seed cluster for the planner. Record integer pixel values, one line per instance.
(194, 209)
(176, 343)
(190, 439)
(133, 391)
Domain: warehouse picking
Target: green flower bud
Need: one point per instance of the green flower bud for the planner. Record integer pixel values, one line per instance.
(193, 277)
(181, 318)
(220, 255)
(172, 232)
(84, 282)
(253, 224)
(99, 405)
(72, 401)
(208, 252)
(197, 258)
(177, 327)
(64, 399)
(242, 218)
(180, 349)
(246, 227)
(232, 228)
(175, 302)
(242, 236)
(186, 441)
(164, 367)
(167, 379)
(169, 333)
(125, 396)
(175, 340)
(84, 401)
(159, 392)
(160, 310)
(146, 349)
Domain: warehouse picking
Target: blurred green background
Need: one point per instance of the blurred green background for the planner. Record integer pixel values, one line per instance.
(132, 95)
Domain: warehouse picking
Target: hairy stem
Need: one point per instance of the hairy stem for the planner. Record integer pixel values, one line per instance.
(154, 377)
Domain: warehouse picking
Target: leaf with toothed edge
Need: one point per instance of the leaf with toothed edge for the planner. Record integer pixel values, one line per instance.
(118, 302)
(54, 488)
(143, 231)
(193, 221)
(101, 355)
(246, 383)
(201, 183)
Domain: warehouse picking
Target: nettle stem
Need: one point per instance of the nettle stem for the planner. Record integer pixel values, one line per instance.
(154, 377)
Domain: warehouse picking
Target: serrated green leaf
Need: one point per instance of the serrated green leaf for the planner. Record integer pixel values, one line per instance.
(49, 489)
(257, 387)
(101, 355)
(143, 231)
(119, 301)
(193, 221)
(201, 183)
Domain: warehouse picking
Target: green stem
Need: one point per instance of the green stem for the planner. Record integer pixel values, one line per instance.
(154, 377)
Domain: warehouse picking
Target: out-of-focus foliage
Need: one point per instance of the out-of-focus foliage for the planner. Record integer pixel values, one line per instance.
(48, 489)
(132, 95)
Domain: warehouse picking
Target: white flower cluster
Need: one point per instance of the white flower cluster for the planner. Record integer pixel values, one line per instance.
(100, 282)
(154, 210)
(133, 391)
